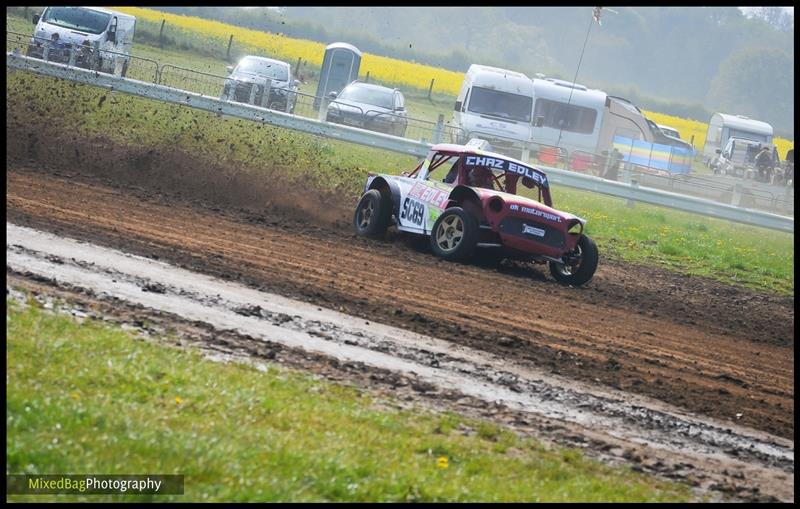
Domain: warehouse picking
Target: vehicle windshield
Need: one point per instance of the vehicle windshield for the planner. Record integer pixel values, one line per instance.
(374, 96)
(670, 132)
(274, 70)
(77, 18)
(485, 101)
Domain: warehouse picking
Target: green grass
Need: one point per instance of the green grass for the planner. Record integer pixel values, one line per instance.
(732, 253)
(90, 398)
(757, 258)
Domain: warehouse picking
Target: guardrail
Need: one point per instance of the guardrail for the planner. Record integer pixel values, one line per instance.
(383, 141)
(83, 55)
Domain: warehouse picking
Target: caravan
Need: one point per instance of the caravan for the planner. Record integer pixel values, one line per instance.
(107, 34)
(722, 127)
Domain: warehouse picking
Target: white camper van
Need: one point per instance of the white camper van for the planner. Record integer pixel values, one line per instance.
(567, 115)
(108, 33)
(495, 105)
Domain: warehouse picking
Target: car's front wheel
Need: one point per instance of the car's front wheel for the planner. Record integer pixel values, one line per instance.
(581, 264)
(454, 236)
(373, 214)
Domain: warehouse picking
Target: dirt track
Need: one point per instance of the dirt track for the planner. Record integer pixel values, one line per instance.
(695, 343)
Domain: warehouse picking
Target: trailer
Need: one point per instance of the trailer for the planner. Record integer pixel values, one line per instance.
(723, 126)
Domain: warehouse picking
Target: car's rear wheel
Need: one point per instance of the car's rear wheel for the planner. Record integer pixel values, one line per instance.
(455, 234)
(582, 264)
(373, 214)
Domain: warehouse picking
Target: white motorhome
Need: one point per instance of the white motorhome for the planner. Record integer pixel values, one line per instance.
(567, 115)
(108, 33)
(722, 127)
(573, 118)
(495, 105)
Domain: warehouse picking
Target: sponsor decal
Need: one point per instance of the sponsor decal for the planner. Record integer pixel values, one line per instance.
(427, 194)
(433, 215)
(502, 164)
(535, 212)
(532, 230)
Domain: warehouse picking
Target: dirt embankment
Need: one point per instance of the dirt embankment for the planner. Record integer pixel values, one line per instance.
(713, 349)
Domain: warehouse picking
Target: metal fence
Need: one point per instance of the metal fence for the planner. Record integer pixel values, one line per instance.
(569, 177)
(264, 94)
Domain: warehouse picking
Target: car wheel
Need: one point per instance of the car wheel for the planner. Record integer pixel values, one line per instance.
(373, 214)
(454, 236)
(583, 267)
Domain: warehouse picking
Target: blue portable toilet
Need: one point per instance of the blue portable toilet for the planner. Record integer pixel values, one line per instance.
(339, 67)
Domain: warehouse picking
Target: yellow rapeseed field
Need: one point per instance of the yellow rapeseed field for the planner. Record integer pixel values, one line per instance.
(385, 69)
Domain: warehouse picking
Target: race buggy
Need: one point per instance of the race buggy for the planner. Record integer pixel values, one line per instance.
(464, 197)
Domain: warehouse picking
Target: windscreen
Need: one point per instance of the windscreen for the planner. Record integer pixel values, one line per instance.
(484, 101)
(272, 70)
(374, 96)
(77, 18)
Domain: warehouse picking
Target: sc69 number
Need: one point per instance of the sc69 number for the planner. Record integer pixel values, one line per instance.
(413, 211)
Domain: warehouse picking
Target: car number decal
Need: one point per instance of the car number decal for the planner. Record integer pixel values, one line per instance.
(413, 211)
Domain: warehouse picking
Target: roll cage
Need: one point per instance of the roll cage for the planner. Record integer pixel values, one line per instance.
(504, 179)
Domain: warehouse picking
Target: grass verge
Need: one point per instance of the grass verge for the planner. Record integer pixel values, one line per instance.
(90, 398)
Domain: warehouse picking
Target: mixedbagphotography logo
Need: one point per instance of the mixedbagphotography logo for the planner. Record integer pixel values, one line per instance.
(89, 484)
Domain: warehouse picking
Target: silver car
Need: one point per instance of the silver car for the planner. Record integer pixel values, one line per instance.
(369, 106)
(262, 73)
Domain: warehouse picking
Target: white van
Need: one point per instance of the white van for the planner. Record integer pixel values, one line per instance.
(108, 33)
(495, 105)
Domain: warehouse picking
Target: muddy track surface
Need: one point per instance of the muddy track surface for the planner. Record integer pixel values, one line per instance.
(611, 425)
(718, 350)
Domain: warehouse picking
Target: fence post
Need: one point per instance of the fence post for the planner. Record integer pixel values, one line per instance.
(297, 67)
(437, 133)
(265, 94)
(736, 196)
(634, 184)
(228, 53)
(430, 89)
(367, 78)
(161, 34)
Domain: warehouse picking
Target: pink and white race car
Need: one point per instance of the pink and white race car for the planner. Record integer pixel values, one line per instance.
(465, 197)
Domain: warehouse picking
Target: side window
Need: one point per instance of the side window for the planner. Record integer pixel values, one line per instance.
(558, 115)
(444, 172)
